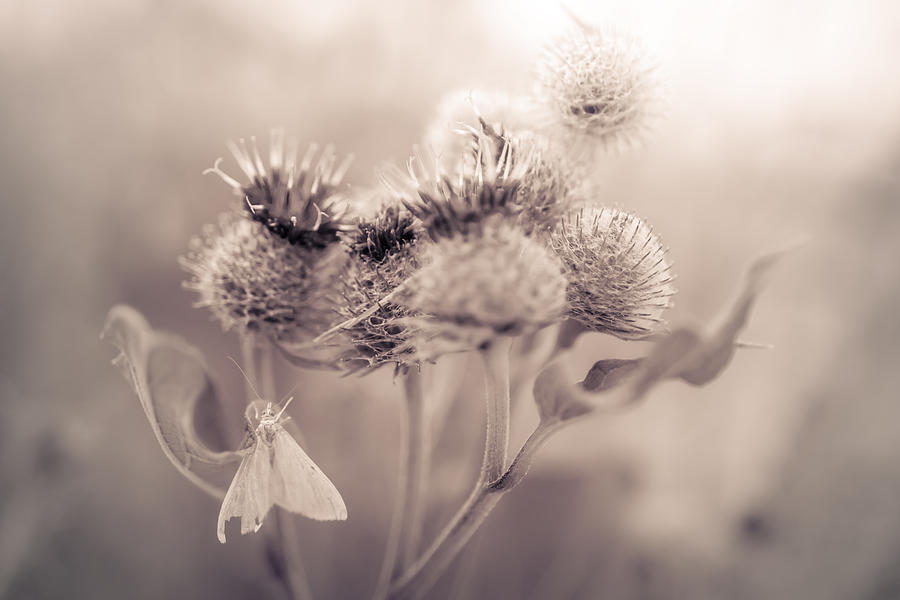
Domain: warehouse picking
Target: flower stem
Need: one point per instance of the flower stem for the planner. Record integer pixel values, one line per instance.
(496, 382)
(418, 579)
(406, 520)
(416, 468)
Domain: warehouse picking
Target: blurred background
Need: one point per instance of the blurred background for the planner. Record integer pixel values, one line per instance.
(779, 480)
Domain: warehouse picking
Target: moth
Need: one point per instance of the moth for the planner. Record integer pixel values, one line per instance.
(276, 470)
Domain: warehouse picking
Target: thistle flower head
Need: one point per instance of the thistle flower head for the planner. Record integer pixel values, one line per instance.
(253, 280)
(300, 203)
(545, 183)
(619, 277)
(386, 254)
(516, 178)
(595, 83)
(458, 204)
(472, 288)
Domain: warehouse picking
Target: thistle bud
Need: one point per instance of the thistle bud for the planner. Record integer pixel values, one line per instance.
(595, 84)
(385, 252)
(458, 204)
(252, 280)
(619, 277)
(276, 268)
(545, 192)
(473, 288)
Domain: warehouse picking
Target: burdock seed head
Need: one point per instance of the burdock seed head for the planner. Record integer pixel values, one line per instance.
(255, 281)
(546, 185)
(458, 203)
(472, 288)
(515, 179)
(385, 255)
(595, 83)
(301, 203)
(619, 277)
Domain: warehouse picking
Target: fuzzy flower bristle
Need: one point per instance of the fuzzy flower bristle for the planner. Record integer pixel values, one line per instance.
(620, 280)
(468, 107)
(545, 190)
(595, 83)
(385, 256)
(302, 202)
(254, 281)
(385, 233)
(470, 289)
(458, 204)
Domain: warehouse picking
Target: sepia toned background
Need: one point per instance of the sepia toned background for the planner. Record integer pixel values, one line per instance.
(781, 123)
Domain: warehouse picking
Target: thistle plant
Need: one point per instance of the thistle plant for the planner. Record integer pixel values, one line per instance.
(470, 248)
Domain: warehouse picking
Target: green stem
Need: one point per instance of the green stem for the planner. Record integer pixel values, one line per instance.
(418, 579)
(496, 383)
(406, 519)
(416, 468)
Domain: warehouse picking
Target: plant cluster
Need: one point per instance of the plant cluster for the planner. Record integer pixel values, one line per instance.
(490, 237)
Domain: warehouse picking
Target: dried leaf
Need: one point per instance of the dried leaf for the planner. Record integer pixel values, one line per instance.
(608, 373)
(698, 357)
(177, 394)
(688, 354)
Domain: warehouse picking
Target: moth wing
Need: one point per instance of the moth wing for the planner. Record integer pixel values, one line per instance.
(248, 496)
(299, 485)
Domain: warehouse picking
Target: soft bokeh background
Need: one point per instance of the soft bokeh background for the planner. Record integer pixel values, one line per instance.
(780, 480)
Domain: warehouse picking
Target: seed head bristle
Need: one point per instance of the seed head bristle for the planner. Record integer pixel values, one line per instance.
(254, 281)
(497, 282)
(620, 280)
(301, 203)
(596, 84)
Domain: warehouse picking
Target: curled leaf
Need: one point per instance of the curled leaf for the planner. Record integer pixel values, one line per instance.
(697, 357)
(608, 373)
(691, 355)
(556, 398)
(177, 394)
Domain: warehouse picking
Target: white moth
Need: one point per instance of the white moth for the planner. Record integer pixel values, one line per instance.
(275, 470)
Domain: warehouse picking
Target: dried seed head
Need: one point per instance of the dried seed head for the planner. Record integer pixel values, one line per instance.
(619, 277)
(595, 83)
(456, 205)
(384, 247)
(255, 281)
(301, 203)
(386, 335)
(546, 187)
(472, 288)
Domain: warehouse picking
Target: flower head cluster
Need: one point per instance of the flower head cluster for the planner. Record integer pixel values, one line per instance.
(619, 277)
(254, 281)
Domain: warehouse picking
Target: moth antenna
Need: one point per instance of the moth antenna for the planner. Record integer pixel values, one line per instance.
(284, 408)
(247, 379)
(285, 397)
